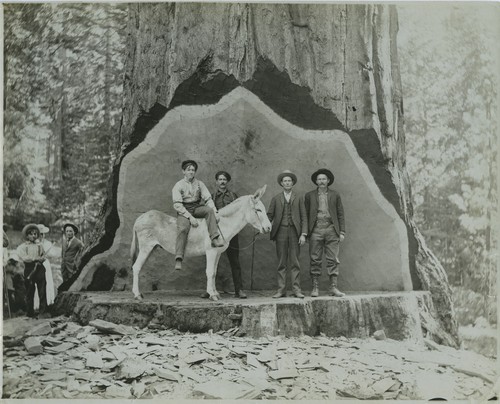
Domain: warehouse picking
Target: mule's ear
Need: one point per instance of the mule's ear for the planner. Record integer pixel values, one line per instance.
(258, 194)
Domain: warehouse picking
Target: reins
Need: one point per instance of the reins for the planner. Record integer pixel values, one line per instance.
(239, 248)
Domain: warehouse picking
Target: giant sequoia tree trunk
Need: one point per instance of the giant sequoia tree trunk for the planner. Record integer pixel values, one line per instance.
(342, 58)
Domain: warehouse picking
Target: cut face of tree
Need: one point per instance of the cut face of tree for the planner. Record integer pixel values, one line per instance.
(242, 135)
(322, 67)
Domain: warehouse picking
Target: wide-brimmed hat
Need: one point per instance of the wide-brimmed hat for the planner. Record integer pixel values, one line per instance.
(75, 229)
(43, 229)
(325, 171)
(187, 163)
(29, 227)
(287, 173)
(224, 173)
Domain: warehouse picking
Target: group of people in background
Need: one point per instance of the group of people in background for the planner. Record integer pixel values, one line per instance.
(317, 217)
(29, 283)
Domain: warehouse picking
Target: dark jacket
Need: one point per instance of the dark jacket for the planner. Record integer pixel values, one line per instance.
(334, 207)
(223, 199)
(277, 208)
(70, 254)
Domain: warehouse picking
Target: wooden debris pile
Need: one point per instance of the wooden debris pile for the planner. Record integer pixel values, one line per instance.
(61, 359)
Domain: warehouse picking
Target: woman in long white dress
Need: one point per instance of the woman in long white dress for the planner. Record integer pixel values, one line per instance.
(50, 289)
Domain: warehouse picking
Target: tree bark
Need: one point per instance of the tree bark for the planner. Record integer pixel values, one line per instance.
(345, 56)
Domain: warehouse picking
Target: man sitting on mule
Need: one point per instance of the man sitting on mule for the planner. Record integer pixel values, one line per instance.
(192, 200)
(155, 228)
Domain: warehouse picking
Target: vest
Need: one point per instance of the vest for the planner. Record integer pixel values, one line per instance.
(287, 215)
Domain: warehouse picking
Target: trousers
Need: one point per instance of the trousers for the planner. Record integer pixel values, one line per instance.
(324, 240)
(288, 250)
(183, 226)
(233, 255)
(35, 277)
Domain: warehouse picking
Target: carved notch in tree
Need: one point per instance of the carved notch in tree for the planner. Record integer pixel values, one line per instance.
(327, 68)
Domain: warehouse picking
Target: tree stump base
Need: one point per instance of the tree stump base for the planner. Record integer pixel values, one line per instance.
(356, 315)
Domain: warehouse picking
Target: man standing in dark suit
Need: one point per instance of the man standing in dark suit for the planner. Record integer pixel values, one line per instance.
(325, 215)
(223, 197)
(71, 249)
(289, 230)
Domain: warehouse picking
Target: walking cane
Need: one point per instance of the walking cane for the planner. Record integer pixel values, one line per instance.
(251, 268)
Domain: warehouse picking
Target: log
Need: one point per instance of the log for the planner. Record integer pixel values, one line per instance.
(353, 316)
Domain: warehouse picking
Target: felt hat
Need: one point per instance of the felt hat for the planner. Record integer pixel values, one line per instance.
(224, 173)
(325, 171)
(75, 229)
(30, 227)
(287, 173)
(43, 229)
(187, 163)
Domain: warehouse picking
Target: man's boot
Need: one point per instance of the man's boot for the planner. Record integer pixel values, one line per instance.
(178, 264)
(240, 294)
(279, 294)
(315, 285)
(333, 287)
(217, 242)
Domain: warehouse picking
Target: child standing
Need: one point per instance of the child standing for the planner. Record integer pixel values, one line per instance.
(31, 253)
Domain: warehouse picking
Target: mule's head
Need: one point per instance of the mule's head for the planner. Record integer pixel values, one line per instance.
(257, 215)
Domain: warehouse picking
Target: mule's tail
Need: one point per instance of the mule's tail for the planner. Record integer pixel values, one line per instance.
(133, 247)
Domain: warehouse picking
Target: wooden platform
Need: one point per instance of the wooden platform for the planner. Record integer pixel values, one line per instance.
(355, 315)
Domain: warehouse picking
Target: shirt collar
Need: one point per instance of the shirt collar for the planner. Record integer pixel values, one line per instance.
(219, 192)
(321, 192)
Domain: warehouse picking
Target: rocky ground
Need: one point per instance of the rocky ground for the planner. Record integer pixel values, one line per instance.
(57, 358)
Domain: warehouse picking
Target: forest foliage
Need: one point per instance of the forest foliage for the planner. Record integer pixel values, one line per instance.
(63, 93)
(64, 66)
(449, 62)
